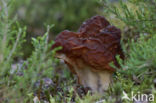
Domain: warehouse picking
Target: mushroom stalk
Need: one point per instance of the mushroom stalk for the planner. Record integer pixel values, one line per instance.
(98, 81)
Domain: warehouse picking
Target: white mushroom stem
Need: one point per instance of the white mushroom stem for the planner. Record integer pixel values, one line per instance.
(98, 81)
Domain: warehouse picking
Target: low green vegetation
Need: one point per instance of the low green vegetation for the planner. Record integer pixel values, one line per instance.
(40, 77)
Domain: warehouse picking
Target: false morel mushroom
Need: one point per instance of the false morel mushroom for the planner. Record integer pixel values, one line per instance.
(89, 52)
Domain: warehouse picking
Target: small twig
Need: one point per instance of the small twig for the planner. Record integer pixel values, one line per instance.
(5, 28)
(142, 20)
(6, 22)
(15, 45)
(5, 8)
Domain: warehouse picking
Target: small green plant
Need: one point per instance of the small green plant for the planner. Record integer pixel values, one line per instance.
(17, 83)
(137, 71)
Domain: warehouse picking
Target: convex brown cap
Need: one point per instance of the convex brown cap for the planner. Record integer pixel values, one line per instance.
(96, 43)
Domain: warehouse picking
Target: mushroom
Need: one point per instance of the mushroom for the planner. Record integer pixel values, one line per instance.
(89, 51)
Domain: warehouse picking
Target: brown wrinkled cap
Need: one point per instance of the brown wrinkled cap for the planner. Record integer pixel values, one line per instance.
(96, 43)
